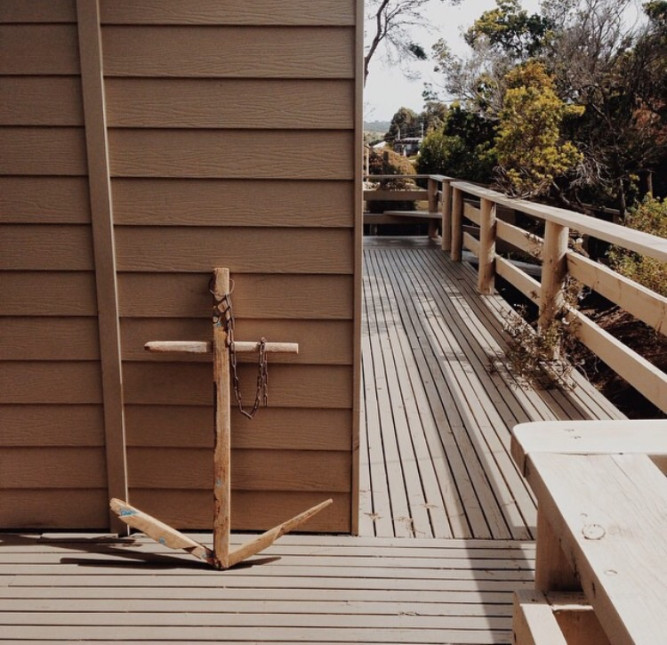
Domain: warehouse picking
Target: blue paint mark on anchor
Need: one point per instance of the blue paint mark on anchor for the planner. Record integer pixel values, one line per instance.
(218, 483)
(126, 512)
(162, 541)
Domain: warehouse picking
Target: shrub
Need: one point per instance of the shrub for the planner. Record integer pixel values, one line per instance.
(388, 162)
(651, 217)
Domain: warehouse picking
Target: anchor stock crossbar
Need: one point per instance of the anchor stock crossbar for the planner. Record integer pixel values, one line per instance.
(221, 556)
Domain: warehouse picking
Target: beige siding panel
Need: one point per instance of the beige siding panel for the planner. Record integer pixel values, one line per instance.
(212, 12)
(193, 509)
(320, 342)
(271, 429)
(43, 151)
(194, 202)
(259, 470)
(49, 339)
(248, 52)
(46, 248)
(54, 509)
(44, 200)
(231, 155)
(36, 100)
(52, 468)
(51, 425)
(47, 294)
(152, 249)
(39, 50)
(38, 11)
(291, 386)
(229, 103)
(255, 296)
(54, 382)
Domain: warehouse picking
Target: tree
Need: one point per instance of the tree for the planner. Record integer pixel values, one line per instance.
(618, 74)
(529, 146)
(404, 123)
(460, 148)
(499, 39)
(390, 23)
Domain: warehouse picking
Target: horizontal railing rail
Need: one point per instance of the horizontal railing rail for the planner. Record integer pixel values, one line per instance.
(558, 261)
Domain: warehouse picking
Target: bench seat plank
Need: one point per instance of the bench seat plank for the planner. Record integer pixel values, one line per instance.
(610, 514)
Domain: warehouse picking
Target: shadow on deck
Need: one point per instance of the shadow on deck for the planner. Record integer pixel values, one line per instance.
(440, 401)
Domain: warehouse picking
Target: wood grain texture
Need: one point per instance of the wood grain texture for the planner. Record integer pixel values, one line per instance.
(153, 426)
(43, 101)
(44, 200)
(255, 296)
(231, 155)
(251, 510)
(46, 248)
(54, 11)
(53, 468)
(320, 342)
(607, 511)
(196, 249)
(291, 386)
(43, 151)
(73, 509)
(250, 52)
(195, 202)
(53, 339)
(39, 50)
(51, 425)
(628, 294)
(106, 279)
(70, 293)
(53, 382)
(258, 470)
(210, 12)
(229, 103)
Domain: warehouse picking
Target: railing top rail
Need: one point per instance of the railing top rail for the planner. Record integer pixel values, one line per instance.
(638, 241)
(439, 178)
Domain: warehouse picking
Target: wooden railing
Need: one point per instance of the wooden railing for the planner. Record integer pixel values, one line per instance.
(467, 217)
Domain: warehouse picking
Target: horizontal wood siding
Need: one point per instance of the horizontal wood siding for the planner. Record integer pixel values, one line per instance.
(52, 459)
(232, 144)
(232, 52)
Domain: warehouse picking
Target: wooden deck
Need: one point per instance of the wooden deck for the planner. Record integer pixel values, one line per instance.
(446, 520)
(315, 589)
(439, 401)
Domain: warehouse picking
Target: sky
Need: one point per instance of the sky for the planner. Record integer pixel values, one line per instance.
(387, 89)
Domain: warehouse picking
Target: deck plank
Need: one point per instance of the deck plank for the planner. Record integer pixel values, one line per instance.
(315, 589)
(438, 354)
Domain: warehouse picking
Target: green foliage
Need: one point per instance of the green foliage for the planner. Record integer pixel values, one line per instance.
(649, 216)
(405, 123)
(529, 147)
(460, 148)
(510, 29)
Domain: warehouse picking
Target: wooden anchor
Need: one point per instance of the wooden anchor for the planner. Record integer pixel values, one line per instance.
(221, 556)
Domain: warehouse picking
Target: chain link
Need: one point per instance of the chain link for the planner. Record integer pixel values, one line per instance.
(224, 315)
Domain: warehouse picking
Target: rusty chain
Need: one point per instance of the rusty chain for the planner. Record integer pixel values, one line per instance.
(224, 315)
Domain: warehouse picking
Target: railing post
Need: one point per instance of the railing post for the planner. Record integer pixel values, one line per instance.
(446, 210)
(457, 221)
(432, 206)
(554, 268)
(487, 246)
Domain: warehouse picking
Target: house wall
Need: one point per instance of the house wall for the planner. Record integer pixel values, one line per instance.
(223, 134)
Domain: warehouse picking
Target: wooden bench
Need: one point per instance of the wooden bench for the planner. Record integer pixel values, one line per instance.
(602, 531)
